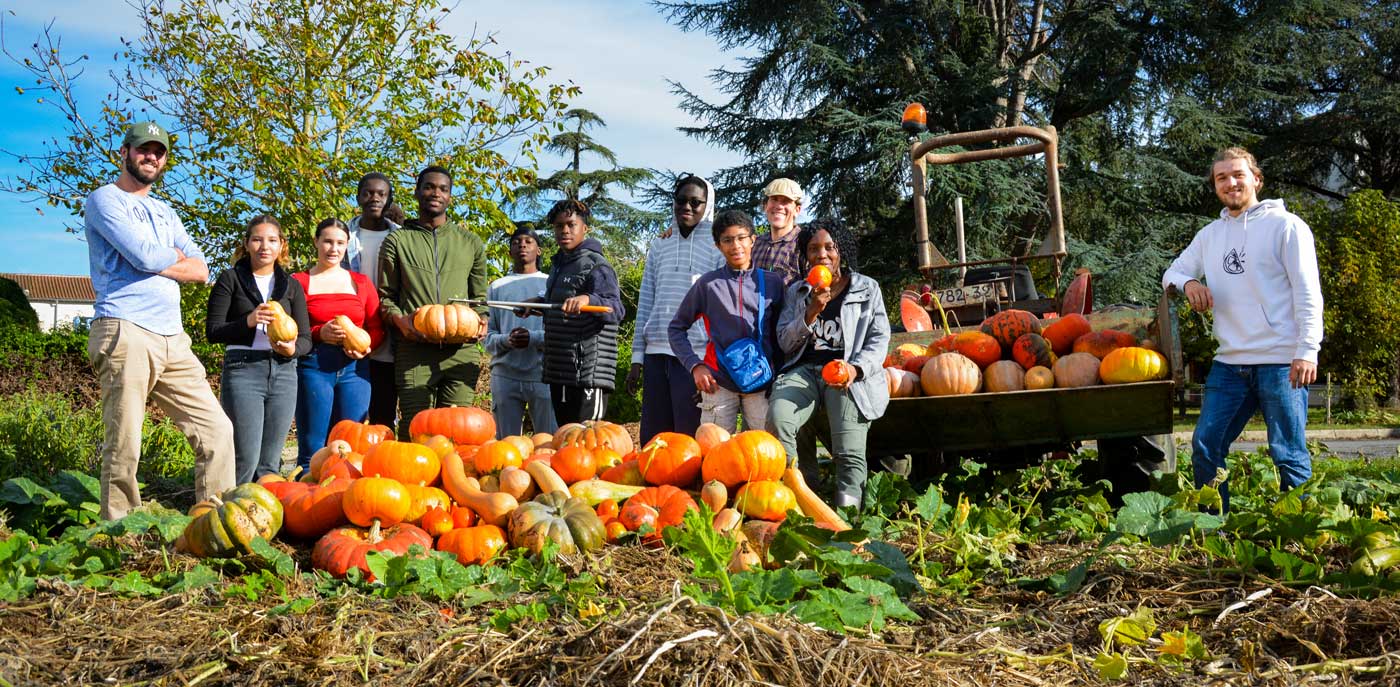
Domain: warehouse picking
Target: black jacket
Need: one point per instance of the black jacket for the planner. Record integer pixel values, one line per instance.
(581, 350)
(235, 294)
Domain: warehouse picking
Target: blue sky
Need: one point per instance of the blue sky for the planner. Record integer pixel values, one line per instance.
(619, 52)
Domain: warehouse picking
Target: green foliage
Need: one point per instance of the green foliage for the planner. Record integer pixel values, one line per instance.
(1358, 246)
(15, 310)
(280, 106)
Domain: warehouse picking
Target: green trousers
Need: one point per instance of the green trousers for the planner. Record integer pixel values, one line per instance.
(797, 395)
(434, 376)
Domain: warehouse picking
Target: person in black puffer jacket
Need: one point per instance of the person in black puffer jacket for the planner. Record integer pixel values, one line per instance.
(580, 349)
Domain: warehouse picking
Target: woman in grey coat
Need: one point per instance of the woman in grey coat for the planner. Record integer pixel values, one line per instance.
(843, 322)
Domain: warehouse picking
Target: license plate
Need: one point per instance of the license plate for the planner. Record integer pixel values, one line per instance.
(968, 295)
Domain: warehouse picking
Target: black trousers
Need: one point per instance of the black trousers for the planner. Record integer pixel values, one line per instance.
(577, 403)
(383, 396)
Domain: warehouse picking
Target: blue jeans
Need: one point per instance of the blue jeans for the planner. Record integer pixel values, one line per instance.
(258, 391)
(508, 400)
(330, 387)
(1233, 393)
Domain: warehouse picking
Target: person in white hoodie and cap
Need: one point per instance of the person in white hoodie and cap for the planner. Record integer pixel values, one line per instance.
(670, 401)
(1261, 282)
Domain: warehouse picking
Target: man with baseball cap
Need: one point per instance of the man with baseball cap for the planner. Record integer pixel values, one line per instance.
(139, 253)
(777, 250)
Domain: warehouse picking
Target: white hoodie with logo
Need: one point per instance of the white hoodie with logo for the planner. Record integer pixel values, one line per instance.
(1261, 268)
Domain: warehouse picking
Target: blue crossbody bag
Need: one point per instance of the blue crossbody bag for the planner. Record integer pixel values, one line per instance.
(744, 360)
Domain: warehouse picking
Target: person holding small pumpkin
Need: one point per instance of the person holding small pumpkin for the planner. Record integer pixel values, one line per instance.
(834, 340)
(259, 312)
(343, 309)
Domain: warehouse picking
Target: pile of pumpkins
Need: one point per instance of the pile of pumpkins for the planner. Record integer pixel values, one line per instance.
(458, 489)
(1014, 351)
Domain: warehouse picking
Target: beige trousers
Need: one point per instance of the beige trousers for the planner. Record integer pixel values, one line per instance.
(134, 364)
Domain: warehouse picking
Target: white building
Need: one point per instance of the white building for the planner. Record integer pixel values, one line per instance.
(58, 299)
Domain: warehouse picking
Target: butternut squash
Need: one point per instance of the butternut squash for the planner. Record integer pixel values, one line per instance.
(810, 504)
(494, 509)
(727, 520)
(516, 482)
(745, 557)
(596, 491)
(545, 477)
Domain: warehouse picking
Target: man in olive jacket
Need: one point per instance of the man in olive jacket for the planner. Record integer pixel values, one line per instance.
(431, 260)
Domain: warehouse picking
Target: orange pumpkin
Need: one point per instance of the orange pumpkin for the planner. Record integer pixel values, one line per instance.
(1004, 375)
(315, 511)
(594, 434)
(494, 455)
(904, 353)
(978, 347)
(765, 500)
(950, 374)
(469, 425)
(1064, 331)
(473, 545)
(463, 516)
(944, 344)
(837, 372)
(451, 323)
(345, 466)
(751, 455)
(371, 500)
(607, 509)
(1076, 370)
(1040, 378)
(282, 327)
(574, 464)
(402, 461)
(606, 458)
(660, 506)
(628, 472)
(439, 445)
(1132, 364)
(1008, 325)
(362, 436)
(356, 340)
(1102, 342)
(913, 315)
(902, 383)
(318, 459)
(345, 548)
(710, 435)
(436, 522)
(1031, 350)
(670, 458)
(423, 499)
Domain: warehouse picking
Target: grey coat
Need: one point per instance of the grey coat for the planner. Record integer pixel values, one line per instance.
(866, 331)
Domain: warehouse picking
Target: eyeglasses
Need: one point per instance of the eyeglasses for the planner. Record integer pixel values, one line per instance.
(731, 240)
(694, 203)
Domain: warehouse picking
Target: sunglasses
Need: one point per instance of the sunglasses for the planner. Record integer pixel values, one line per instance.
(693, 203)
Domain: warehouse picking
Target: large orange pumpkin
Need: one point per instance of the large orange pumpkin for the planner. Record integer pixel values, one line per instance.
(765, 500)
(494, 455)
(1102, 342)
(473, 545)
(670, 458)
(1032, 350)
(315, 511)
(1004, 375)
(371, 500)
(978, 347)
(574, 464)
(408, 463)
(345, 548)
(751, 455)
(1132, 364)
(451, 323)
(950, 374)
(594, 434)
(362, 436)
(661, 507)
(469, 425)
(1076, 370)
(1063, 331)
(1008, 325)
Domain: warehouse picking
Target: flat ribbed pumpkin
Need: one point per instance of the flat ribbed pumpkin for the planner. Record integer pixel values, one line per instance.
(451, 323)
(1132, 364)
(747, 456)
(950, 374)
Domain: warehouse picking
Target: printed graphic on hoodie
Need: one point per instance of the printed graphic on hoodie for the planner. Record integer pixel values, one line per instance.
(1234, 262)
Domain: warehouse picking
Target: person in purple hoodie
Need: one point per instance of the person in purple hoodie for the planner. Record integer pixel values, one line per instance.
(730, 300)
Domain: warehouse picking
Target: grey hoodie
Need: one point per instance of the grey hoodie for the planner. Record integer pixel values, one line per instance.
(865, 328)
(673, 264)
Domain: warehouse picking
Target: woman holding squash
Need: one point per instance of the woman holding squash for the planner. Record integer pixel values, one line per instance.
(343, 306)
(259, 312)
(833, 339)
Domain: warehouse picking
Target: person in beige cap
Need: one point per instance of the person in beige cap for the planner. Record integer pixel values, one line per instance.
(139, 254)
(777, 250)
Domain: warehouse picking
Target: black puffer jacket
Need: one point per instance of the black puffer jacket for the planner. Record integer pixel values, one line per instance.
(581, 350)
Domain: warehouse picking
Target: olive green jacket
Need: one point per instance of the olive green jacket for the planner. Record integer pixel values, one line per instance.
(419, 266)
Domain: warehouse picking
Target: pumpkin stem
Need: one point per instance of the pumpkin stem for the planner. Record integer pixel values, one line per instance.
(943, 315)
(294, 474)
(375, 536)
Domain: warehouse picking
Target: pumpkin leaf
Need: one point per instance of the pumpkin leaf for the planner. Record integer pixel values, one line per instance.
(1159, 519)
(198, 577)
(280, 562)
(1111, 666)
(22, 491)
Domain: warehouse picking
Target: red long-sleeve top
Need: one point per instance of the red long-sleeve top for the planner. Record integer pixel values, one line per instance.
(362, 307)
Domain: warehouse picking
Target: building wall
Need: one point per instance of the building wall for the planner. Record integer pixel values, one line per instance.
(52, 314)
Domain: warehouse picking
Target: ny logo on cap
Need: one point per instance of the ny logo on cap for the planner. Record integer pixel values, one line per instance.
(156, 130)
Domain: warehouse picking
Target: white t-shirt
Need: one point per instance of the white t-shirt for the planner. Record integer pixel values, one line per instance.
(260, 342)
(370, 242)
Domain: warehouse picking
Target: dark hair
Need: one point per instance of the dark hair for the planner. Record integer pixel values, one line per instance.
(332, 222)
(844, 238)
(394, 213)
(373, 176)
(241, 250)
(730, 218)
(568, 206)
(529, 231)
(690, 179)
(432, 169)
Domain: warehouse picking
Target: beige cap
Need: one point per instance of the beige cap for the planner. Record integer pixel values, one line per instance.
(786, 188)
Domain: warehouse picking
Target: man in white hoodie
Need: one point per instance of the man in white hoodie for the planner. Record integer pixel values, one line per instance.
(1260, 266)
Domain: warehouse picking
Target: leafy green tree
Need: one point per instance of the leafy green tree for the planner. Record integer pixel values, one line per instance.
(15, 310)
(620, 225)
(1358, 246)
(280, 105)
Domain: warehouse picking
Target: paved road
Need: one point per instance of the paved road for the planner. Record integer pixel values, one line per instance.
(1344, 448)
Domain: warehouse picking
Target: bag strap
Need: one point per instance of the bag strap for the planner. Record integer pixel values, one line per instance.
(758, 289)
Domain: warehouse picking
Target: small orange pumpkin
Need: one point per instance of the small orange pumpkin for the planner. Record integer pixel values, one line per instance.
(362, 436)
(751, 455)
(473, 545)
(765, 500)
(837, 372)
(574, 464)
(979, 347)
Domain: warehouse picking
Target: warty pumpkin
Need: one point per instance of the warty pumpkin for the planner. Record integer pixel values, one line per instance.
(1031, 350)
(1008, 325)
(227, 524)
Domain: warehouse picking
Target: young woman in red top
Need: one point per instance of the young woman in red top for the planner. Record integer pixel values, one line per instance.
(333, 383)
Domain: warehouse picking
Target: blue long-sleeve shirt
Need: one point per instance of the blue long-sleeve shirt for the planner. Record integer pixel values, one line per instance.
(714, 298)
(131, 239)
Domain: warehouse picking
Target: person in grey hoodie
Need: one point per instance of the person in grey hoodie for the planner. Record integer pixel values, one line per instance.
(674, 262)
(516, 344)
(728, 300)
(1265, 292)
(845, 324)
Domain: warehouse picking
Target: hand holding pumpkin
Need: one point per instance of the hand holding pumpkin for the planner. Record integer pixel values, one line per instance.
(838, 374)
(284, 348)
(260, 315)
(331, 333)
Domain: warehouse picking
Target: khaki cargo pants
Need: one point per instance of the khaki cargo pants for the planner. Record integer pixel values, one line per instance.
(133, 364)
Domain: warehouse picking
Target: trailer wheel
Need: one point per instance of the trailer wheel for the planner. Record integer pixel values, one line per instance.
(1128, 463)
